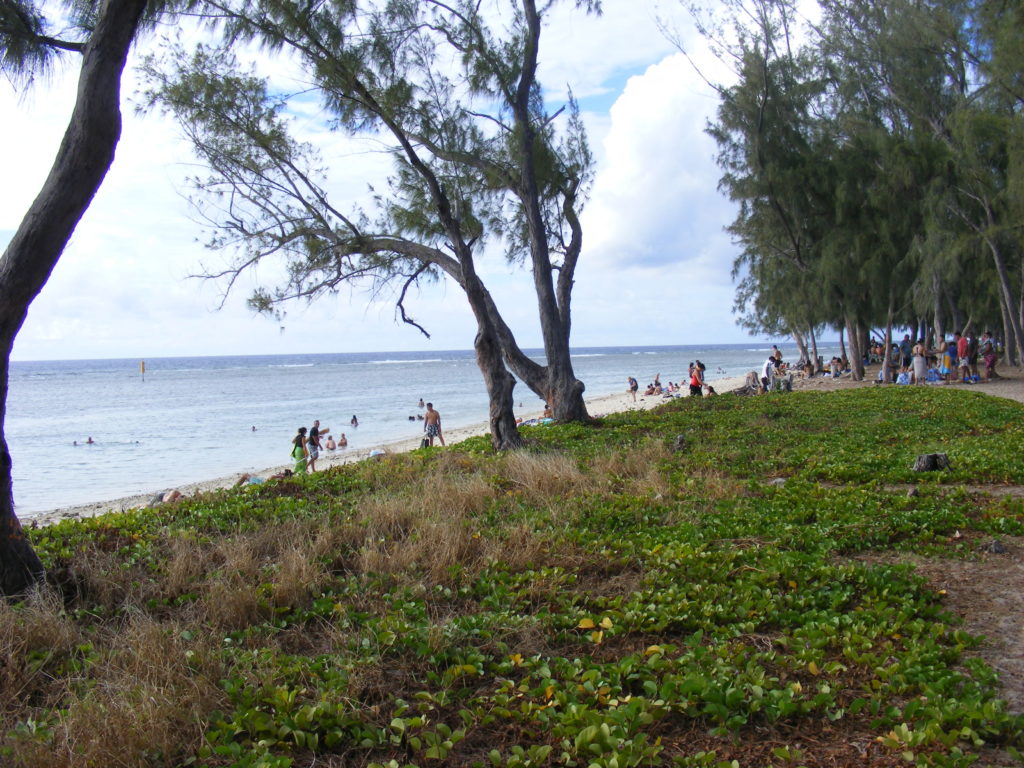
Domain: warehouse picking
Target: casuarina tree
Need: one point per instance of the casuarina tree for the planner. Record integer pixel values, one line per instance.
(478, 163)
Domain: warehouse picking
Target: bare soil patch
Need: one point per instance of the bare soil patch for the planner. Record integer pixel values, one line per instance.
(987, 592)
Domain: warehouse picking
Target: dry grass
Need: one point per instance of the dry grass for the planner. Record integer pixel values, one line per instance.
(187, 561)
(638, 471)
(298, 576)
(143, 708)
(709, 486)
(545, 479)
(34, 637)
(232, 606)
(434, 527)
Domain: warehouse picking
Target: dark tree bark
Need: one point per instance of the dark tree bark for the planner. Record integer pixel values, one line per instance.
(561, 389)
(801, 344)
(85, 154)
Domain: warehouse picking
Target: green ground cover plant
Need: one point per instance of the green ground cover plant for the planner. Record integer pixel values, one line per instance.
(678, 587)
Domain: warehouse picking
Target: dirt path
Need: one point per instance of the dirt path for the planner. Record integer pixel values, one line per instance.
(987, 592)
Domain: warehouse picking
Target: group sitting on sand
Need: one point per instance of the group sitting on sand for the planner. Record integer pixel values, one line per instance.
(695, 376)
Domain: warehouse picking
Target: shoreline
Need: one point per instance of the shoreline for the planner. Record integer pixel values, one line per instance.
(1010, 385)
(600, 405)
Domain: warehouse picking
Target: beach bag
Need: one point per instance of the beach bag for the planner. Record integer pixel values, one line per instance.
(425, 442)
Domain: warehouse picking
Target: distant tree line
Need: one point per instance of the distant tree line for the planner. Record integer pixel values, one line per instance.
(876, 155)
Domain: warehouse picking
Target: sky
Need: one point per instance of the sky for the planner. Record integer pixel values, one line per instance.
(655, 267)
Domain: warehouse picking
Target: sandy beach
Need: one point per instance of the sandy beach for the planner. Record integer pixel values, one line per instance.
(1009, 385)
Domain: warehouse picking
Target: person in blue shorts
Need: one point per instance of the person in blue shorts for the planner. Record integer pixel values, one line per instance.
(432, 424)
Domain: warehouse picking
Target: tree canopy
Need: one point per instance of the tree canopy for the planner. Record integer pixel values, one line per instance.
(875, 158)
(478, 163)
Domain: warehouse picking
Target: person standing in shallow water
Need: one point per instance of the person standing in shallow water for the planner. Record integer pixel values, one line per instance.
(299, 451)
(432, 424)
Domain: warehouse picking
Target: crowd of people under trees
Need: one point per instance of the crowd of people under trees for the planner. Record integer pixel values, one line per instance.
(876, 168)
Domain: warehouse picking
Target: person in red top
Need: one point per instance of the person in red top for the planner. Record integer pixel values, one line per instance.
(697, 380)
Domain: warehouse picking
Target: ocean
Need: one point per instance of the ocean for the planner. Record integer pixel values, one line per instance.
(189, 419)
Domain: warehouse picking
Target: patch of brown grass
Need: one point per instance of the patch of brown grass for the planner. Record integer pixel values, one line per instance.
(709, 486)
(144, 707)
(298, 576)
(545, 479)
(35, 636)
(639, 471)
(187, 561)
(230, 605)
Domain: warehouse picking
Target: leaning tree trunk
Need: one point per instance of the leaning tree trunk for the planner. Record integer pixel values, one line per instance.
(1006, 291)
(801, 344)
(19, 565)
(500, 383)
(490, 359)
(85, 154)
(1009, 341)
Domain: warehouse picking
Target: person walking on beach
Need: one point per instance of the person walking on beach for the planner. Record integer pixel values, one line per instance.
(299, 451)
(313, 443)
(633, 386)
(696, 381)
(432, 424)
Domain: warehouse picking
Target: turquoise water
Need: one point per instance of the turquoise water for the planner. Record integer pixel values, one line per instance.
(191, 419)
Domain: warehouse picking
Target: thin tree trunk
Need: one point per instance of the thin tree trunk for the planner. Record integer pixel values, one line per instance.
(563, 391)
(842, 345)
(814, 351)
(85, 154)
(855, 334)
(887, 346)
(1020, 302)
(801, 344)
(1011, 318)
(955, 314)
(937, 308)
(1009, 340)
